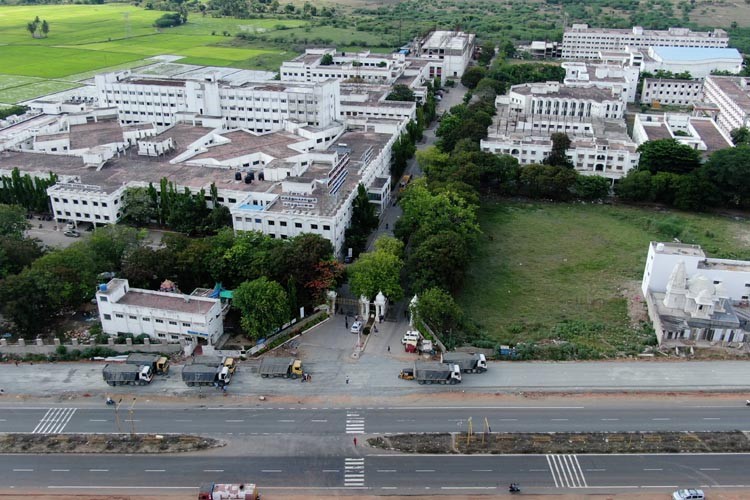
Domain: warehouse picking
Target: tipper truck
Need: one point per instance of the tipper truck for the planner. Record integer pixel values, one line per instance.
(236, 491)
(469, 363)
(198, 374)
(158, 364)
(281, 367)
(432, 372)
(126, 374)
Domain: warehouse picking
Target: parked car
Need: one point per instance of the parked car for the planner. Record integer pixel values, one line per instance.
(688, 495)
(72, 234)
(356, 327)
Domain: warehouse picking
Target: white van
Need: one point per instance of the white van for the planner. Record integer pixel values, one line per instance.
(356, 327)
(411, 336)
(688, 495)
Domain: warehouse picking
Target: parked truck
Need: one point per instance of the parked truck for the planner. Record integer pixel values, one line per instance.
(127, 374)
(469, 363)
(159, 364)
(198, 374)
(281, 367)
(432, 372)
(234, 491)
(213, 360)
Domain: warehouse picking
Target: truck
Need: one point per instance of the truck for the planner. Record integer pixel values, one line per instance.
(432, 372)
(281, 367)
(468, 362)
(127, 374)
(198, 374)
(213, 360)
(227, 491)
(159, 364)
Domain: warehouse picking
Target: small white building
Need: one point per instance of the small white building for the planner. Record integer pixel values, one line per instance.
(582, 42)
(700, 133)
(693, 299)
(453, 48)
(672, 92)
(698, 61)
(164, 316)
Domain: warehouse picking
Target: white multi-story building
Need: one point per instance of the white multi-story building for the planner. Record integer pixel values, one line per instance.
(454, 49)
(164, 316)
(698, 61)
(731, 96)
(582, 42)
(621, 77)
(693, 298)
(591, 116)
(260, 107)
(659, 91)
(700, 133)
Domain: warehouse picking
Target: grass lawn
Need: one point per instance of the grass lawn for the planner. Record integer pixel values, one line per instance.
(86, 39)
(32, 90)
(547, 271)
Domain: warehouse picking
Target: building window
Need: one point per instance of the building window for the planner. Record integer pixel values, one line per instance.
(132, 317)
(118, 316)
(298, 224)
(173, 323)
(107, 317)
(147, 320)
(313, 226)
(271, 223)
(160, 321)
(282, 223)
(102, 298)
(186, 324)
(326, 228)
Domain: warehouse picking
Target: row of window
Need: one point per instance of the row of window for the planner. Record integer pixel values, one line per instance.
(133, 92)
(83, 202)
(146, 319)
(85, 215)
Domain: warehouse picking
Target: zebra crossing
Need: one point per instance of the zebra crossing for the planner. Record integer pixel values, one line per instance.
(354, 473)
(355, 423)
(566, 471)
(54, 421)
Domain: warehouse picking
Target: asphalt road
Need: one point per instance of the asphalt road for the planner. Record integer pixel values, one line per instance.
(380, 474)
(322, 421)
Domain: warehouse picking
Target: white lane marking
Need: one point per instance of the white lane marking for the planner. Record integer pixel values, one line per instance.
(595, 470)
(425, 470)
(233, 421)
(319, 421)
(711, 418)
(355, 423)
(653, 469)
(388, 488)
(709, 468)
(213, 470)
(509, 420)
(610, 419)
(271, 470)
(661, 419)
(98, 470)
(386, 470)
(97, 420)
(468, 487)
(54, 421)
(559, 419)
(23, 470)
(183, 420)
(354, 472)
(330, 470)
(485, 470)
(154, 470)
(285, 421)
(661, 486)
(566, 471)
(60, 470)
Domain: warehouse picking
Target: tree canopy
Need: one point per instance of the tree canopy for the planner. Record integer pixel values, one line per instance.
(378, 271)
(264, 306)
(668, 155)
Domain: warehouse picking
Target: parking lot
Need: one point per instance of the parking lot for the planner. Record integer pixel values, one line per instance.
(52, 234)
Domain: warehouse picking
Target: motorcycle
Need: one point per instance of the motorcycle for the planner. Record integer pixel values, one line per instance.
(514, 488)
(747, 402)
(110, 401)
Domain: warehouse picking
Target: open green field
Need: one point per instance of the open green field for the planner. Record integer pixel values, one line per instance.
(85, 39)
(547, 271)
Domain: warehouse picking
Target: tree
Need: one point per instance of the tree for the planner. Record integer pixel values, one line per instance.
(472, 76)
(740, 136)
(668, 155)
(438, 261)
(326, 60)
(264, 306)
(289, 8)
(140, 207)
(591, 187)
(557, 156)
(45, 28)
(363, 221)
(729, 170)
(328, 273)
(437, 309)
(390, 245)
(110, 243)
(16, 254)
(546, 181)
(13, 221)
(145, 267)
(377, 271)
(29, 300)
(487, 52)
(401, 92)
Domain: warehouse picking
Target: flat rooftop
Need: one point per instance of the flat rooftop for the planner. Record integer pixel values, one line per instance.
(89, 135)
(686, 54)
(167, 301)
(671, 248)
(566, 92)
(656, 132)
(710, 135)
(733, 87)
(243, 142)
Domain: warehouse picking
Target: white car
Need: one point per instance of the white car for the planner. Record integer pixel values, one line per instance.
(411, 336)
(688, 495)
(356, 327)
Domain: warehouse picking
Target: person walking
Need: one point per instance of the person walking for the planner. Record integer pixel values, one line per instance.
(389, 348)
(355, 442)
(347, 380)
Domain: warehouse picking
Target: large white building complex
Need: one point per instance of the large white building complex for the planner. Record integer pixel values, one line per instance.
(699, 62)
(731, 97)
(700, 133)
(582, 42)
(286, 157)
(674, 92)
(167, 317)
(591, 116)
(696, 300)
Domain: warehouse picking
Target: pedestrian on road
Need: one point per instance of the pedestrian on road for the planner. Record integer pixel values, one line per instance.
(347, 380)
(346, 322)
(375, 328)
(389, 348)
(355, 441)
(386, 225)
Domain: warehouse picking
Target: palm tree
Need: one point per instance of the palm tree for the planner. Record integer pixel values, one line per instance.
(45, 28)
(31, 28)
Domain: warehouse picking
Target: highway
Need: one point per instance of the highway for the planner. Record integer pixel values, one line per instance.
(294, 420)
(379, 474)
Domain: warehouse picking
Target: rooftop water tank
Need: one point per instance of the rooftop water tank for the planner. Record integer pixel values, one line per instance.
(103, 287)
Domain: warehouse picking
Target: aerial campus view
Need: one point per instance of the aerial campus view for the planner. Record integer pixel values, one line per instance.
(355, 248)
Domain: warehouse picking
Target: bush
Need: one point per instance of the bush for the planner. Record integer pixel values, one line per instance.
(169, 20)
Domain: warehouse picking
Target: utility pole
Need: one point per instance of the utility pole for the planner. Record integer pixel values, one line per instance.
(132, 421)
(117, 416)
